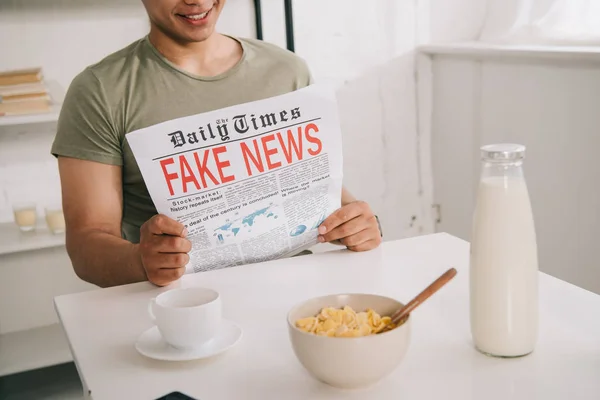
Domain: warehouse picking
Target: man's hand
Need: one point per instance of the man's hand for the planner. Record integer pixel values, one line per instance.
(354, 225)
(163, 249)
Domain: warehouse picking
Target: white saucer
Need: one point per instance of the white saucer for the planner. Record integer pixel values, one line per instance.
(152, 345)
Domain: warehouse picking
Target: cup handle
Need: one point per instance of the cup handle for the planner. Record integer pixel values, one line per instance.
(150, 306)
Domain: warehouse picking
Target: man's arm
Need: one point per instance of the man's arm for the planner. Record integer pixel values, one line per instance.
(92, 203)
(93, 206)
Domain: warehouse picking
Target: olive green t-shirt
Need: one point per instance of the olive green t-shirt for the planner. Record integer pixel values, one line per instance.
(137, 87)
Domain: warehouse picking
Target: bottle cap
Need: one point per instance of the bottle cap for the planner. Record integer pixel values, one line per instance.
(503, 152)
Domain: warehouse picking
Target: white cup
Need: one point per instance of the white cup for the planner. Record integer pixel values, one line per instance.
(187, 317)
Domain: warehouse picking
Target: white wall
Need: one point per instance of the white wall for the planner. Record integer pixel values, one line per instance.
(546, 103)
(551, 106)
(369, 55)
(453, 20)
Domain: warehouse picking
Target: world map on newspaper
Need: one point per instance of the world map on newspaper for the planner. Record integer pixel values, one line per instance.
(245, 224)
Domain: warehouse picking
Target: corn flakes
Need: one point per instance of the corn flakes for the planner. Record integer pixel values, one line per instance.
(345, 322)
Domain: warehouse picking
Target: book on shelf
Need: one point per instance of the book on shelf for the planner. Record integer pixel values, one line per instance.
(19, 76)
(25, 107)
(27, 89)
(23, 91)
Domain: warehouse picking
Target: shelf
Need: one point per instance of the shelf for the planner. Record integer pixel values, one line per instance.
(12, 240)
(485, 50)
(57, 95)
(32, 349)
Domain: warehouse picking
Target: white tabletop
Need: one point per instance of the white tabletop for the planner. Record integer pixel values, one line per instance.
(103, 325)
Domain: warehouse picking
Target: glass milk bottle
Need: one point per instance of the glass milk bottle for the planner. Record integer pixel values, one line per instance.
(504, 264)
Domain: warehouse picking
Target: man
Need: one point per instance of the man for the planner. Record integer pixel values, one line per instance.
(183, 67)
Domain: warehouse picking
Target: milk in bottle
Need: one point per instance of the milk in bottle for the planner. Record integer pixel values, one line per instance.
(503, 264)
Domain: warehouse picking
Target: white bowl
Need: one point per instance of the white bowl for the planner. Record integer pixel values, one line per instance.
(344, 362)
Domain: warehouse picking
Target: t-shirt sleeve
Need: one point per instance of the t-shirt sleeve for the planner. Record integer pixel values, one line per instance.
(85, 127)
(305, 77)
(310, 79)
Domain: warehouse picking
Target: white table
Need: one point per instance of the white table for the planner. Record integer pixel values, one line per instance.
(103, 325)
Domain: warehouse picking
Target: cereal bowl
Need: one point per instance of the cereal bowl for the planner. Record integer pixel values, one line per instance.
(349, 362)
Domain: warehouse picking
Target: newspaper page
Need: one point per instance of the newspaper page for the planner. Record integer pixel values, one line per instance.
(251, 182)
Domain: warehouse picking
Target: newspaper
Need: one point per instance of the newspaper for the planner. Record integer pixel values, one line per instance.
(251, 182)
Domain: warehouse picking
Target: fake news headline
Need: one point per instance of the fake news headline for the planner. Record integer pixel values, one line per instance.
(209, 167)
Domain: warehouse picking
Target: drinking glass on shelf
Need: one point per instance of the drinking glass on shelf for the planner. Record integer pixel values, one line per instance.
(25, 216)
(55, 219)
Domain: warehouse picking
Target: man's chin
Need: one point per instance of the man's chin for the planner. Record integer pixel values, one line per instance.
(197, 37)
(184, 38)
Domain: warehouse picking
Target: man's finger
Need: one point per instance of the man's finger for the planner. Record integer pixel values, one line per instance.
(340, 216)
(163, 225)
(365, 246)
(358, 238)
(172, 244)
(346, 229)
(169, 261)
(164, 277)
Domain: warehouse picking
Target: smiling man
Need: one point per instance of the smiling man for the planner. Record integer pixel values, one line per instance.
(182, 67)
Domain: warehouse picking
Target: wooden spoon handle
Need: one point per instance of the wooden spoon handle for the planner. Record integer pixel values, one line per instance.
(424, 295)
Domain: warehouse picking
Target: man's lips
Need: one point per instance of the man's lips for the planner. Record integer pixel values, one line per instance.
(195, 18)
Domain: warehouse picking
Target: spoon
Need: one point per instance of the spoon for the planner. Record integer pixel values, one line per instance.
(421, 297)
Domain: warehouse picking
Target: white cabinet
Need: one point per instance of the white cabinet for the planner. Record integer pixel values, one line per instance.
(545, 100)
(34, 268)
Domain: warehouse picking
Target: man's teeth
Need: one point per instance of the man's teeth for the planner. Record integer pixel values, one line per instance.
(197, 16)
